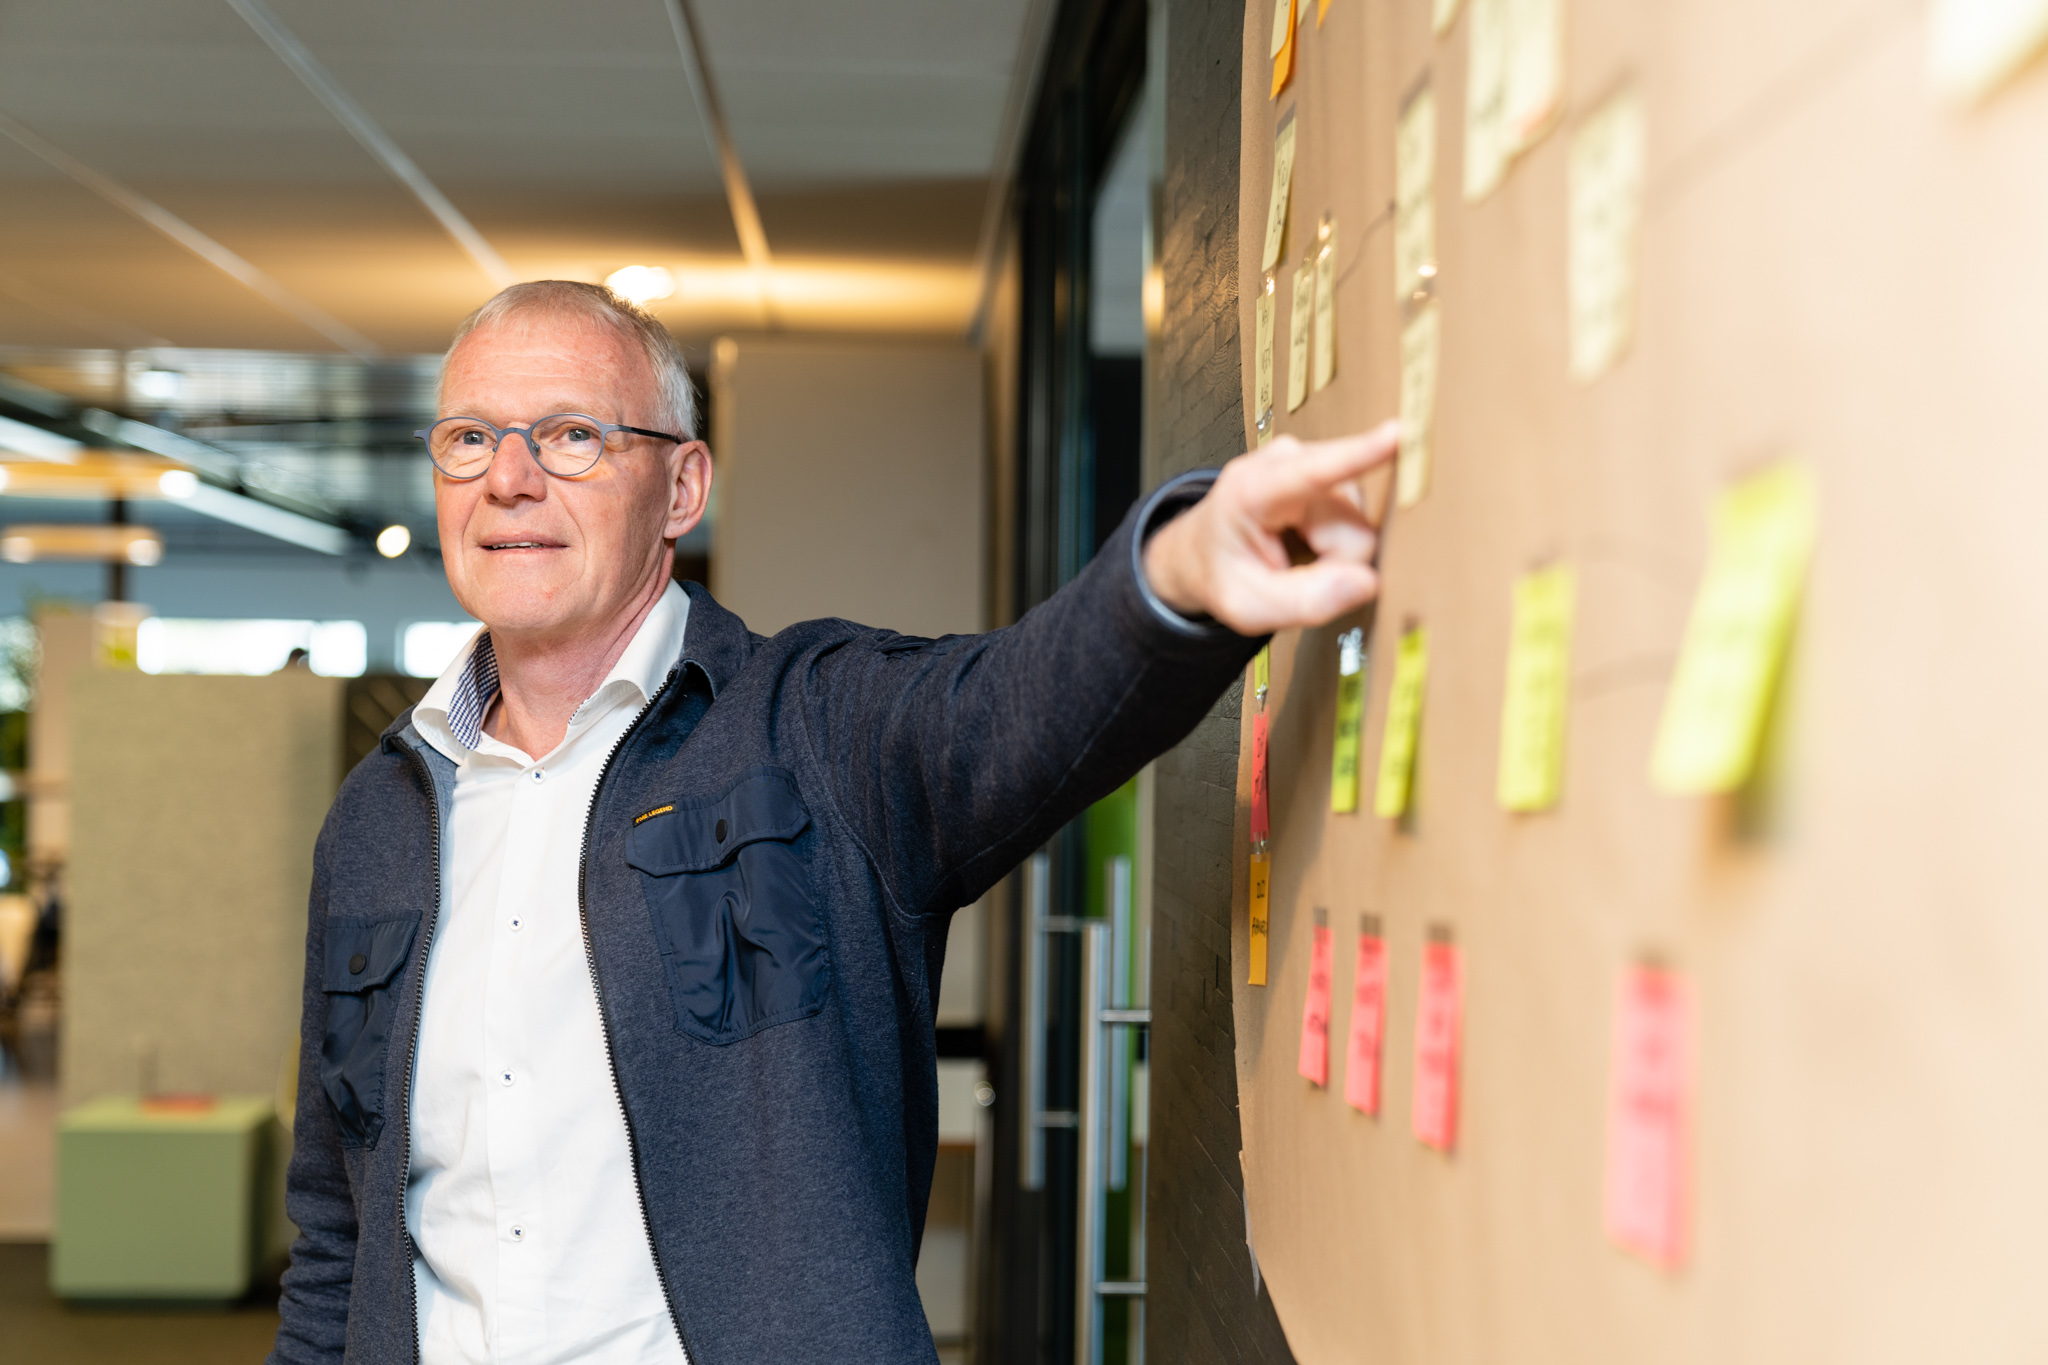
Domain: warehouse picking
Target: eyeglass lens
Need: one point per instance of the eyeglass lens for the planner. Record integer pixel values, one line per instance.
(566, 444)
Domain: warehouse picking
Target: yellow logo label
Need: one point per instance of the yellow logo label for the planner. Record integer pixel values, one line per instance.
(658, 810)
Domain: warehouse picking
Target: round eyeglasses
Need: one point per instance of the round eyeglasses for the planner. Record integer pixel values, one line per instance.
(565, 444)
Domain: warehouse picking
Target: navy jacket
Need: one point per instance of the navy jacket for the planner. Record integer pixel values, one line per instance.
(770, 862)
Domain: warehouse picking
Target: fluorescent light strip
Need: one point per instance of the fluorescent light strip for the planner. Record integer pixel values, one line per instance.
(37, 444)
(739, 195)
(222, 505)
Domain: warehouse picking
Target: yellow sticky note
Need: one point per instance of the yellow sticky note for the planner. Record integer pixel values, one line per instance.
(1326, 307)
(1276, 205)
(1350, 717)
(1974, 45)
(1735, 641)
(1486, 91)
(1532, 714)
(1283, 44)
(1262, 673)
(1415, 194)
(1404, 726)
(1442, 13)
(1262, 361)
(1606, 214)
(1514, 84)
(1419, 347)
(1262, 881)
(1300, 314)
(1322, 11)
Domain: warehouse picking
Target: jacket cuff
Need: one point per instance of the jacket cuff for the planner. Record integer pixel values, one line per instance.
(1168, 501)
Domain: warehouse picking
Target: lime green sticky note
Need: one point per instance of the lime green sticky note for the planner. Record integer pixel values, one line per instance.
(1262, 672)
(1735, 641)
(1532, 714)
(1404, 723)
(1350, 715)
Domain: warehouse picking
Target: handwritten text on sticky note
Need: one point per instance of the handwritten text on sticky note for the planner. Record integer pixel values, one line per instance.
(1404, 725)
(1368, 1024)
(1300, 316)
(1415, 194)
(1605, 215)
(1350, 720)
(1420, 342)
(1648, 1116)
(1314, 1062)
(1438, 1023)
(1283, 178)
(1261, 895)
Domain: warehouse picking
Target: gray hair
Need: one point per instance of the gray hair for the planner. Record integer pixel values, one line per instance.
(573, 298)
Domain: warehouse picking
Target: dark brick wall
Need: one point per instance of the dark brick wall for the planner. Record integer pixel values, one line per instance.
(1200, 1303)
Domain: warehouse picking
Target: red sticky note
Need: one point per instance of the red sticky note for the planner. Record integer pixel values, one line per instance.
(1315, 1010)
(1368, 1024)
(1437, 1020)
(1647, 1116)
(1261, 820)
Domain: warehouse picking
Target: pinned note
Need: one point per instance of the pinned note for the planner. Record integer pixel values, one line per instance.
(1973, 46)
(1648, 1114)
(1262, 881)
(1735, 641)
(1350, 720)
(1262, 360)
(1514, 85)
(1486, 92)
(1532, 714)
(1420, 344)
(1438, 1022)
(1415, 195)
(1442, 14)
(1276, 204)
(1283, 49)
(1326, 304)
(1368, 1020)
(1262, 674)
(1404, 725)
(1322, 11)
(1605, 217)
(1314, 1063)
(1261, 827)
(1300, 314)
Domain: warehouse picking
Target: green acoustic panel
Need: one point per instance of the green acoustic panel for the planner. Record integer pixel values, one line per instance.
(158, 1205)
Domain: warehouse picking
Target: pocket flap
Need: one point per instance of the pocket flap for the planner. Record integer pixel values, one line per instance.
(364, 955)
(700, 833)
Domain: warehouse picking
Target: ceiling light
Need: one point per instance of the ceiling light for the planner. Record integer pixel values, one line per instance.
(81, 540)
(159, 385)
(145, 552)
(17, 549)
(641, 283)
(4, 477)
(178, 483)
(393, 541)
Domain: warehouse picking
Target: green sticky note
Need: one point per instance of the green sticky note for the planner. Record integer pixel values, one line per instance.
(1735, 642)
(1404, 723)
(1532, 714)
(1350, 716)
(1262, 672)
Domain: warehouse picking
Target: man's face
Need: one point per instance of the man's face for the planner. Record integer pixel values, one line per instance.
(551, 558)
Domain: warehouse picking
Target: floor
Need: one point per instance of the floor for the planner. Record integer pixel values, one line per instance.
(41, 1330)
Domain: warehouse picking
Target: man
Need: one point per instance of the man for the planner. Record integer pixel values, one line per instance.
(622, 951)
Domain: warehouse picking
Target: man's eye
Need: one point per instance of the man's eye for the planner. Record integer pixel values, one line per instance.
(580, 434)
(471, 437)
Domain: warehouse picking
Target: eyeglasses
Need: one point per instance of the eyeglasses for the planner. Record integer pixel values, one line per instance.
(565, 444)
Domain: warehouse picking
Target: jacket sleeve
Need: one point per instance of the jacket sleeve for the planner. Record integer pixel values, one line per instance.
(957, 757)
(314, 1303)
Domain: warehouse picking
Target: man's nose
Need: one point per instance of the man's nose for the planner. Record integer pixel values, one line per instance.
(514, 473)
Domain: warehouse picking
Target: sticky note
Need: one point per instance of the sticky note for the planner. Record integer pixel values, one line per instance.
(1404, 724)
(1415, 194)
(1438, 1023)
(1262, 673)
(1261, 826)
(1314, 1063)
(1974, 45)
(1276, 204)
(1735, 641)
(1350, 720)
(1300, 313)
(1532, 712)
(1368, 1023)
(1283, 49)
(1262, 881)
(1322, 11)
(1326, 306)
(1605, 216)
(1442, 13)
(1262, 361)
(1420, 344)
(1648, 1115)
(1514, 83)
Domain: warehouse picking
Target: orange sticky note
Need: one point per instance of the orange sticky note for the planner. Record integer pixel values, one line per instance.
(1261, 891)
(1368, 1024)
(1437, 1025)
(1647, 1116)
(1283, 44)
(1261, 811)
(1315, 1010)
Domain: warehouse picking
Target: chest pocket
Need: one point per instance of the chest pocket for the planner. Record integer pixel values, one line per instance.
(742, 940)
(360, 976)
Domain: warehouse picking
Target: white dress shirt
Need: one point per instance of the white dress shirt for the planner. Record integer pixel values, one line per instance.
(531, 1247)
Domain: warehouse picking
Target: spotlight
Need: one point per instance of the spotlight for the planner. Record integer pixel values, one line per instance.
(641, 283)
(145, 551)
(393, 541)
(178, 483)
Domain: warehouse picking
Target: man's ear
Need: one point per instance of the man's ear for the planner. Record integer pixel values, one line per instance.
(690, 493)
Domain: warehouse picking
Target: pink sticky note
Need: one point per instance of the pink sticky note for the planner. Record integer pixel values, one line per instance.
(1647, 1116)
(1261, 820)
(1315, 1010)
(1437, 1019)
(1368, 1024)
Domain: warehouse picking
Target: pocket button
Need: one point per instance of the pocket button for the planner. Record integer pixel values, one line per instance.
(356, 964)
(718, 831)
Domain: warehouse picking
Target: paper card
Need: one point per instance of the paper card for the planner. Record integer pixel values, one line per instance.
(1300, 314)
(1438, 1022)
(1261, 829)
(1420, 344)
(1648, 1117)
(1486, 93)
(1276, 204)
(1534, 75)
(1283, 50)
(1326, 306)
(1974, 45)
(1442, 13)
(1735, 641)
(1415, 195)
(1532, 714)
(1262, 881)
(1368, 1023)
(1262, 361)
(1606, 216)
(1314, 1063)
(1350, 720)
(1404, 724)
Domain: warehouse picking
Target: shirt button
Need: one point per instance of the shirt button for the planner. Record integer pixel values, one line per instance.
(517, 924)
(506, 1077)
(518, 1233)
(540, 774)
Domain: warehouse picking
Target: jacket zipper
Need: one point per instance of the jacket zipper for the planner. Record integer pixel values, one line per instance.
(412, 1289)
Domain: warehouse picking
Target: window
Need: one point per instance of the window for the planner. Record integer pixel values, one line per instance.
(338, 649)
(426, 648)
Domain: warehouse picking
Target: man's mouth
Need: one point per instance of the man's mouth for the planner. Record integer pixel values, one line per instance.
(521, 545)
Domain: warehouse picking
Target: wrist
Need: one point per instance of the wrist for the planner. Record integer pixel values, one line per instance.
(1169, 559)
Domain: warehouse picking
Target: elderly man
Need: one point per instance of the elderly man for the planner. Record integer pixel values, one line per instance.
(617, 1042)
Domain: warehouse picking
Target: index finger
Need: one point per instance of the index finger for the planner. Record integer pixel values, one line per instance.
(1322, 465)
